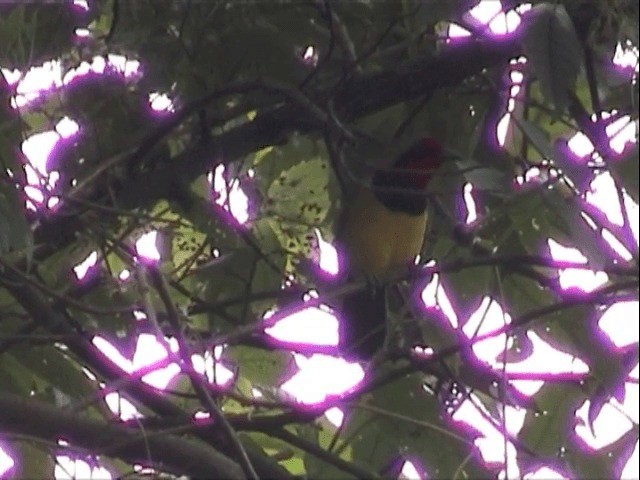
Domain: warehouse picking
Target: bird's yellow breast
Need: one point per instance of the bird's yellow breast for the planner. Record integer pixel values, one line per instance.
(376, 240)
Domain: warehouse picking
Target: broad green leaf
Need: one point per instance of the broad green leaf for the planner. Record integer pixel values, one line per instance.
(15, 233)
(33, 460)
(626, 171)
(297, 202)
(322, 435)
(605, 462)
(14, 376)
(585, 238)
(465, 289)
(260, 367)
(552, 46)
(410, 426)
(12, 32)
(299, 193)
(538, 137)
(549, 429)
(56, 369)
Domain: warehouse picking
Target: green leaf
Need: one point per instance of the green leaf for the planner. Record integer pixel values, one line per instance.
(297, 202)
(37, 122)
(322, 434)
(15, 234)
(407, 421)
(466, 288)
(33, 460)
(55, 368)
(579, 174)
(14, 377)
(260, 367)
(538, 137)
(606, 462)
(575, 331)
(548, 430)
(300, 193)
(553, 48)
(583, 236)
(12, 30)
(486, 178)
(293, 457)
(626, 171)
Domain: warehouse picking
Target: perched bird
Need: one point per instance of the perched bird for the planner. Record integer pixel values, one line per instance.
(381, 232)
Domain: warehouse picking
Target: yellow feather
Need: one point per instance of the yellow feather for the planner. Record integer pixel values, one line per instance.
(376, 240)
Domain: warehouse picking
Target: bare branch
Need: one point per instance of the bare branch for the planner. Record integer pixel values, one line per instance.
(168, 453)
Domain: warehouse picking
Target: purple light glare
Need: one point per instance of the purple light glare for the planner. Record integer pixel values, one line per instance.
(211, 366)
(6, 462)
(489, 18)
(48, 77)
(491, 443)
(626, 57)
(147, 248)
(608, 426)
(434, 296)
(488, 317)
(81, 4)
(322, 376)
(544, 360)
(310, 325)
(584, 280)
(161, 102)
(410, 472)
(328, 261)
(619, 323)
(469, 203)
(36, 81)
(229, 195)
(82, 269)
(545, 473)
(71, 468)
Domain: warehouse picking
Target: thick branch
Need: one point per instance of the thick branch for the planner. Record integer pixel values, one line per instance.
(359, 96)
(167, 452)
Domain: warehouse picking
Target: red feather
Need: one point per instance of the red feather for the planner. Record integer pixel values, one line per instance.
(420, 161)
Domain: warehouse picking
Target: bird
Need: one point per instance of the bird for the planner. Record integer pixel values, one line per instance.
(379, 233)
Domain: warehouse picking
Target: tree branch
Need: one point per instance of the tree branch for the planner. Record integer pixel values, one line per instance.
(166, 453)
(355, 98)
(87, 354)
(198, 382)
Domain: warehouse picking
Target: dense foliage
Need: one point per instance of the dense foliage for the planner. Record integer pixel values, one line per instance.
(284, 101)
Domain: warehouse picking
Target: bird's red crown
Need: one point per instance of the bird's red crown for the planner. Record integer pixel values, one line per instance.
(420, 161)
(403, 186)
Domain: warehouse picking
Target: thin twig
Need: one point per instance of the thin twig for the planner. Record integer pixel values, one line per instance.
(198, 382)
(323, 454)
